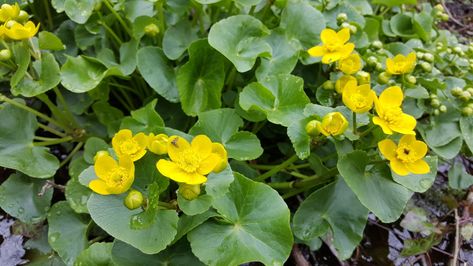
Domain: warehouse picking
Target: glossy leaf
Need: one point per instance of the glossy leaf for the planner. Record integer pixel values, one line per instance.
(419, 183)
(98, 254)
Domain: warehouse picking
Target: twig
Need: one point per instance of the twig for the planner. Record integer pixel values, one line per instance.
(298, 256)
(450, 15)
(457, 239)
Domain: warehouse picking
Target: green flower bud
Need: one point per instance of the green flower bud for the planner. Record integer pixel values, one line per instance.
(384, 77)
(449, 50)
(353, 29)
(134, 199)
(5, 54)
(392, 82)
(345, 25)
(465, 96)
(377, 44)
(427, 67)
(429, 57)
(342, 17)
(23, 16)
(467, 111)
(456, 91)
(379, 67)
(457, 50)
(470, 90)
(439, 7)
(443, 108)
(189, 192)
(151, 30)
(420, 55)
(444, 17)
(436, 112)
(433, 96)
(363, 77)
(311, 128)
(411, 79)
(435, 103)
(372, 61)
(328, 85)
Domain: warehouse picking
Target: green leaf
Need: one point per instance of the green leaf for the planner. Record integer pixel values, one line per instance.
(49, 77)
(423, 25)
(188, 223)
(17, 130)
(177, 254)
(200, 80)
(177, 38)
(145, 119)
(420, 245)
(98, 254)
(297, 20)
(146, 173)
(240, 40)
(92, 146)
(353, 15)
(67, 233)
(156, 70)
(222, 126)
(79, 11)
(20, 197)
(80, 74)
(458, 178)
(110, 213)
(373, 186)
(327, 208)
(299, 137)
(466, 127)
(77, 196)
(256, 228)
(444, 138)
(49, 41)
(391, 3)
(419, 183)
(22, 58)
(218, 183)
(196, 206)
(281, 97)
(139, 25)
(136, 8)
(401, 25)
(108, 115)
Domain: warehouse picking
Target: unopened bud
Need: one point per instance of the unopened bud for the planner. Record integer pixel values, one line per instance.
(328, 85)
(151, 30)
(363, 77)
(158, 144)
(379, 67)
(467, 111)
(456, 91)
(372, 61)
(189, 192)
(436, 112)
(5, 54)
(134, 199)
(411, 79)
(427, 67)
(457, 50)
(444, 17)
(435, 103)
(429, 57)
(470, 90)
(23, 16)
(384, 77)
(439, 7)
(465, 96)
(342, 17)
(420, 55)
(443, 108)
(311, 128)
(377, 44)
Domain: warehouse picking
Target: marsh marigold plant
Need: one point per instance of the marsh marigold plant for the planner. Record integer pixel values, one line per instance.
(113, 177)
(358, 98)
(335, 46)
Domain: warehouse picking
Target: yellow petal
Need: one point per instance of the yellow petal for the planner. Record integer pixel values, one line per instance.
(176, 146)
(104, 165)
(328, 36)
(331, 57)
(202, 145)
(343, 35)
(391, 96)
(387, 148)
(316, 51)
(120, 137)
(346, 50)
(322, 130)
(127, 163)
(196, 179)
(411, 58)
(384, 126)
(418, 167)
(420, 148)
(208, 164)
(99, 186)
(405, 125)
(174, 172)
(398, 167)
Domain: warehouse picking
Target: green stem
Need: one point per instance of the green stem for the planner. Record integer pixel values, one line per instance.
(44, 138)
(48, 14)
(71, 154)
(53, 142)
(111, 32)
(119, 18)
(51, 130)
(354, 123)
(68, 112)
(277, 168)
(313, 180)
(367, 131)
(161, 18)
(167, 205)
(33, 111)
(53, 108)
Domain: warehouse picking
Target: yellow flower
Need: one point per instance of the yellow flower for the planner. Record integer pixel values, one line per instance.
(17, 31)
(158, 144)
(333, 124)
(351, 64)
(401, 64)
(358, 98)
(334, 46)
(220, 151)
(8, 12)
(342, 82)
(125, 144)
(406, 157)
(390, 116)
(113, 177)
(190, 163)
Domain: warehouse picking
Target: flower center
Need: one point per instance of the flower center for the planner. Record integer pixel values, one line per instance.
(399, 66)
(405, 154)
(332, 46)
(189, 161)
(130, 146)
(391, 114)
(117, 177)
(359, 100)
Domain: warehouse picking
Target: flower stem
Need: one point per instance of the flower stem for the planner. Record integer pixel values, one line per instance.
(277, 168)
(71, 154)
(354, 123)
(51, 130)
(119, 18)
(54, 141)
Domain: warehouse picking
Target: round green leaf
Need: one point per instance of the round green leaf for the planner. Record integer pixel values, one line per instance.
(373, 186)
(327, 208)
(17, 130)
(240, 39)
(256, 228)
(200, 80)
(195, 206)
(79, 11)
(20, 197)
(49, 41)
(77, 196)
(419, 183)
(401, 24)
(110, 213)
(466, 127)
(98, 254)
(155, 69)
(178, 37)
(67, 232)
(80, 75)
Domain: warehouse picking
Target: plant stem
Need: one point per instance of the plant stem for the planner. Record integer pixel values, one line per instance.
(354, 123)
(71, 154)
(313, 180)
(119, 18)
(167, 205)
(53, 142)
(51, 130)
(68, 112)
(33, 111)
(277, 168)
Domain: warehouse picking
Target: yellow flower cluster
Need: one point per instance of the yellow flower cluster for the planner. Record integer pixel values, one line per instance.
(404, 158)
(13, 28)
(189, 164)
